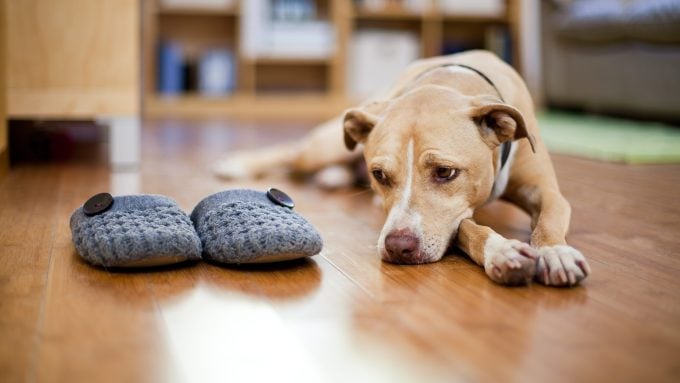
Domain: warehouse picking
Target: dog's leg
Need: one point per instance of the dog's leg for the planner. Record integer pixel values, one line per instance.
(559, 264)
(321, 148)
(255, 163)
(506, 261)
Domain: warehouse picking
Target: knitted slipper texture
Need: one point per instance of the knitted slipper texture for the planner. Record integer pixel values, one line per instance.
(139, 230)
(244, 226)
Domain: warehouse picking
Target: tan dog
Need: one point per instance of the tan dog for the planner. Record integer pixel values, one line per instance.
(454, 133)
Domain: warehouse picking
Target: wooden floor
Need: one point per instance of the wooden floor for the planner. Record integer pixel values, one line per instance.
(342, 316)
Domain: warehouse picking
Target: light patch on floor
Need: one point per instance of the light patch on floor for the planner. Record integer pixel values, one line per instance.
(215, 336)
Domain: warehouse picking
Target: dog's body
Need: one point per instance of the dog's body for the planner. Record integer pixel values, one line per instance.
(444, 141)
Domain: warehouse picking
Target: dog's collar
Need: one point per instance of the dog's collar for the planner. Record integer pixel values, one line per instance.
(506, 147)
(481, 74)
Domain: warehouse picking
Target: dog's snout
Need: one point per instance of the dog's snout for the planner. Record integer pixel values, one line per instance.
(403, 246)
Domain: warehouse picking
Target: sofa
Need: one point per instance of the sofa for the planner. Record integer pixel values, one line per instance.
(613, 56)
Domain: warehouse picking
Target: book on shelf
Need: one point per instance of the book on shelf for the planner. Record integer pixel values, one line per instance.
(213, 73)
(216, 73)
(288, 29)
(376, 58)
(170, 72)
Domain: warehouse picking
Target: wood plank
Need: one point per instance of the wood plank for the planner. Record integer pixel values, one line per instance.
(71, 104)
(301, 107)
(388, 13)
(431, 35)
(340, 17)
(149, 41)
(27, 221)
(189, 10)
(290, 60)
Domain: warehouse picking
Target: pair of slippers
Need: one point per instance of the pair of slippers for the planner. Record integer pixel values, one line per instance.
(233, 227)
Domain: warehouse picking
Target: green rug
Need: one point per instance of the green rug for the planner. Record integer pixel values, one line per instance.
(610, 139)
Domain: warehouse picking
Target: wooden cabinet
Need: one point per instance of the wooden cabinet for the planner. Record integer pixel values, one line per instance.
(73, 58)
(76, 59)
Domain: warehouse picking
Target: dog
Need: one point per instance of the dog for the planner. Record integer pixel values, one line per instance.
(454, 133)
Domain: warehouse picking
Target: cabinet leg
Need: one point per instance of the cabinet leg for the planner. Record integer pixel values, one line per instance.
(124, 142)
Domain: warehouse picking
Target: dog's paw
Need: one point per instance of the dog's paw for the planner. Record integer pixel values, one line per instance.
(561, 265)
(233, 167)
(509, 261)
(334, 177)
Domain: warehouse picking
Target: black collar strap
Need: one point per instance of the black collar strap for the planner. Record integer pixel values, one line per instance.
(506, 146)
(482, 75)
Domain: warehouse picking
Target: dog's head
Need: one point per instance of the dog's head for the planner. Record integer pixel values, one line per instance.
(431, 156)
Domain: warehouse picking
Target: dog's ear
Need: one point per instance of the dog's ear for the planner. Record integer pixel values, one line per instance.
(501, 122)
(359, 122)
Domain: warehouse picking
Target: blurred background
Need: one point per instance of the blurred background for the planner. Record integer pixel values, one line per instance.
(604, 73)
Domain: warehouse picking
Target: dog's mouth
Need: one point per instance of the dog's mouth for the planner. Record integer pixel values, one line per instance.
(409, 246)
(427, 252)
(417, 259)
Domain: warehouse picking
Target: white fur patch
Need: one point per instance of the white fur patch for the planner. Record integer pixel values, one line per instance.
(503, 175)
(408, 185)
(334, 177)
(400, 216)
(231, 168)
(493, 245)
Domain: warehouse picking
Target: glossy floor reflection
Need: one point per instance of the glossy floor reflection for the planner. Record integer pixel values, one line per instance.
(216, 335)
(342, 315)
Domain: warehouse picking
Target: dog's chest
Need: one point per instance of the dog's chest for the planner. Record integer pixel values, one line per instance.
(501, 181)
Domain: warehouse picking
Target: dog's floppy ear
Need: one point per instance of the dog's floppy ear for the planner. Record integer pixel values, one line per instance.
(359, 122)
(501, 122)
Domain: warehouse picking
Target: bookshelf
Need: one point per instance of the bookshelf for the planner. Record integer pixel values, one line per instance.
(278, 86)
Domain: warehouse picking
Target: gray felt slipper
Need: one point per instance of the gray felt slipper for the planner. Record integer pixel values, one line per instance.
(133, 231)
(248, 226)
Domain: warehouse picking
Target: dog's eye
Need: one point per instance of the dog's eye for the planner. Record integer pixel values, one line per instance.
(380, 177)
(443, 174)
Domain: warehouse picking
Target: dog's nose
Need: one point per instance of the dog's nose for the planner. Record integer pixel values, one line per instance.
(402, 246)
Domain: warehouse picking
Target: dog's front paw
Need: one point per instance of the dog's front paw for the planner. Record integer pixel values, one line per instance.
(233, 167)
(334, 177)
(561, 265)
(510, 262)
